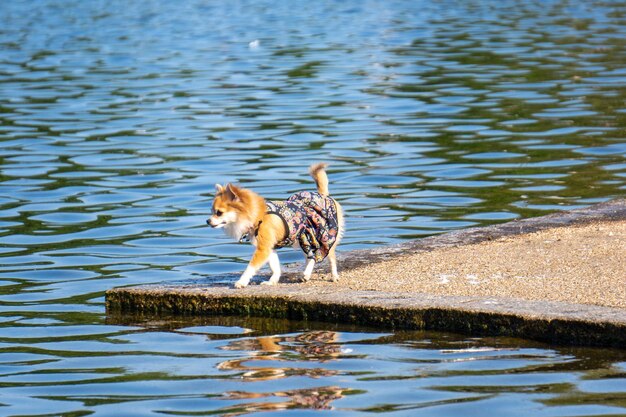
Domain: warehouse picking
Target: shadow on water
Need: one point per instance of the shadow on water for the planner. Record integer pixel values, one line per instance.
(116, 119)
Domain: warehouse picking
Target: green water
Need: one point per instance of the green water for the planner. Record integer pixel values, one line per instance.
(116, 119)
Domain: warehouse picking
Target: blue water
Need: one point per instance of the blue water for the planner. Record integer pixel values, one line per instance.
(117, 119)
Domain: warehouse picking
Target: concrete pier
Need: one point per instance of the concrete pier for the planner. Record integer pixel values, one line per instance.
(559, 278)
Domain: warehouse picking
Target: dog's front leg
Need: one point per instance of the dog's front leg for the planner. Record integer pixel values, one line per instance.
(275, 267)
(260, 257)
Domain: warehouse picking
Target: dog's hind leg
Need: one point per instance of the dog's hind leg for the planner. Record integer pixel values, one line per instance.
(308, 270)
(332, 257)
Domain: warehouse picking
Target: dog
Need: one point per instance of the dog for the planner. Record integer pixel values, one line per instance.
(311, 221)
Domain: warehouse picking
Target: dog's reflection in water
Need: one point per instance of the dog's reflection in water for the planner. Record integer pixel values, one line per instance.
(270, 358)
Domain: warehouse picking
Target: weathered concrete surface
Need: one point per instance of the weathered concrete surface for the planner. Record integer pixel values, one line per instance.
(582, 264)
(372, 299)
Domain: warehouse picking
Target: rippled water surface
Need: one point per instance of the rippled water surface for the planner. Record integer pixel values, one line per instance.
(116, 119)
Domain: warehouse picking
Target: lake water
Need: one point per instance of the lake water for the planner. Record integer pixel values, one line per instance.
(116, 119)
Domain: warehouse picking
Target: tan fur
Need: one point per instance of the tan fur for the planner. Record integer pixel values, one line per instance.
(318, 172)
(240, 211)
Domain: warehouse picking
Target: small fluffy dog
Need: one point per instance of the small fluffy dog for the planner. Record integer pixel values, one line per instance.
(311, 221)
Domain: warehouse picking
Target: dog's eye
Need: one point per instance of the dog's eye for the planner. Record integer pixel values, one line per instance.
(218, 213)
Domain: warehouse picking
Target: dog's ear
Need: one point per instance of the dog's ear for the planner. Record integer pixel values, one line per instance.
(232, 192)
(218, 189)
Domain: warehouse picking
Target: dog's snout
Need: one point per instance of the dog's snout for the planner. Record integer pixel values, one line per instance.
(208, 221)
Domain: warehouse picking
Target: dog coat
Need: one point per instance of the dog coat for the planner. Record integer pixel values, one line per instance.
(311, 220)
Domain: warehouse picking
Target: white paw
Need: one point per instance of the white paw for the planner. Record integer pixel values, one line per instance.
(334, 278)
(241, 284)
(306, 278)
(273, 280)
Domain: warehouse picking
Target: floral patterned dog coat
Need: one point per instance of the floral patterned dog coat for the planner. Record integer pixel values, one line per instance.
(311, 220)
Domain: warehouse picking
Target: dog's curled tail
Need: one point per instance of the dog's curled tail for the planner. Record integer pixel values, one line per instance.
(318, 172)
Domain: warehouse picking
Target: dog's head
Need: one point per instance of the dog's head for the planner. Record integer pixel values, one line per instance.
(227, 206)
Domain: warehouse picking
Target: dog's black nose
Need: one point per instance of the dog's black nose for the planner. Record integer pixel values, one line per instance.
(208, 221)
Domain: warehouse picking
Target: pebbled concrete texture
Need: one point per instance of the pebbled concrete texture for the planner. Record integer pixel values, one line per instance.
(559, 278)
(556, 264)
